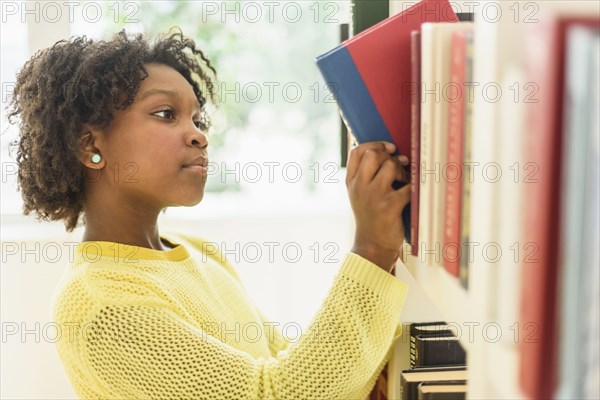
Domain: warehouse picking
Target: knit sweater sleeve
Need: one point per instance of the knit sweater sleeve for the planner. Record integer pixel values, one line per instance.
(147, 350)
(277, 341)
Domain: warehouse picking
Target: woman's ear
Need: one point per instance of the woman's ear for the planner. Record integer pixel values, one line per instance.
(88, 151)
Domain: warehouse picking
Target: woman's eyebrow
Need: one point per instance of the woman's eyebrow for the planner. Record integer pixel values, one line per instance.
(166, 92)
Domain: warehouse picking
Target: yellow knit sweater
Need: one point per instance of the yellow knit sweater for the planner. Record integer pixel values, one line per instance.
(139, 323)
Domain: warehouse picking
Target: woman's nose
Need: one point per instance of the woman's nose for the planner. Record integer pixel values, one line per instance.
(197, 138)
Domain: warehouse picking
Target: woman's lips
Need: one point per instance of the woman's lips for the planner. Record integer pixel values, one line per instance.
(198, 165)
(198, 168)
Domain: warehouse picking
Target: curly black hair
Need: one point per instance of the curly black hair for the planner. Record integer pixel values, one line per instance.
(77, 82)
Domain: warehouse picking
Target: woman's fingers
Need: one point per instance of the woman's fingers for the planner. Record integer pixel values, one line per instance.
(402, 196)
(403, 160)
(391, 170)
(371, 163)
(357, 153)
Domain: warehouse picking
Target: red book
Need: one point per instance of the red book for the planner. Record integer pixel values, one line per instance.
(415, 138)
(369, 74)
(545, 53)
(456, 125)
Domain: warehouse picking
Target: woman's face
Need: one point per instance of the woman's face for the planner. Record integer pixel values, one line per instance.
(153, 150)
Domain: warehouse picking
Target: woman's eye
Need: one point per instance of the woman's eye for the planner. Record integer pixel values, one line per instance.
(168, 114)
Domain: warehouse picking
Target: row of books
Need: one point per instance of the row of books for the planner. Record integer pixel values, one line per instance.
(546, 219)
(368, 74)
(377, 78)
(437, 364)
(442, 59)
(546, 216)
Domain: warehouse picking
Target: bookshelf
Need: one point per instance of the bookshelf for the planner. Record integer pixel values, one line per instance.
(486, 314)
(489, 314)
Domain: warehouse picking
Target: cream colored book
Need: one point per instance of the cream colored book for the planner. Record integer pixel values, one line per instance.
(435, 74)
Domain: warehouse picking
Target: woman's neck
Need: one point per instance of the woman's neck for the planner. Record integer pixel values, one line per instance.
(114, 221)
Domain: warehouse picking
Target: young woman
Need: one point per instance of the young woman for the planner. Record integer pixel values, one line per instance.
(114, 132)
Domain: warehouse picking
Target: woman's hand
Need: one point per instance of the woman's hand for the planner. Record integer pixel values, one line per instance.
(377, 207)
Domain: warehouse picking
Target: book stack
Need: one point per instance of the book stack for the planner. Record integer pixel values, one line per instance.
(434, 344)
(437, 364)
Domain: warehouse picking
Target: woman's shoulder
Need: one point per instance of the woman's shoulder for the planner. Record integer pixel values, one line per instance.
(93, 280)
